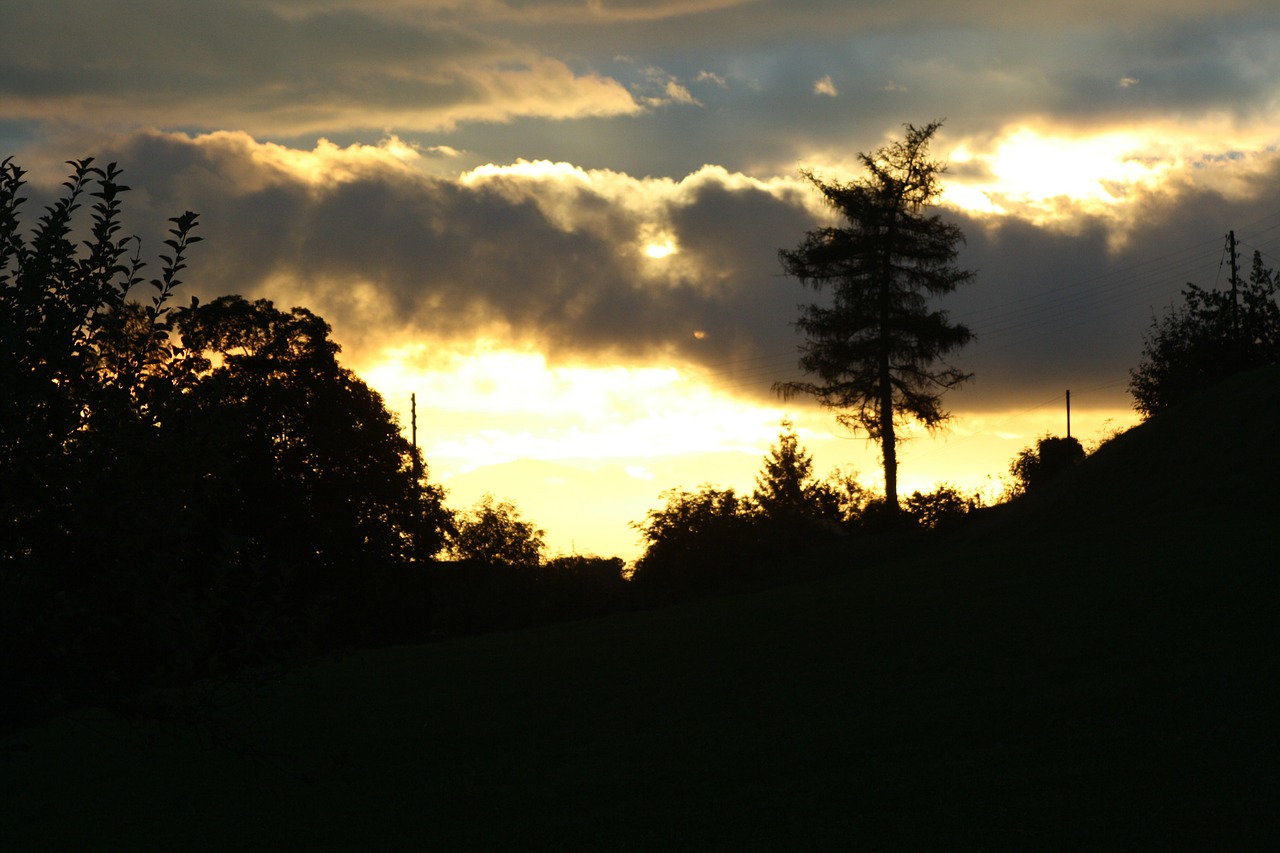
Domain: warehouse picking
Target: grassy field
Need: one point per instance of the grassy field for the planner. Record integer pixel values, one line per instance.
(1092, 668)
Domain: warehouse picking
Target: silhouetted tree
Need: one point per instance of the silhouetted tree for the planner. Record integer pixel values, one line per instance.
(83, 499)
(786, 490)
(875, 349)
(851, 497)
(173, 507)
(1035, 466)
(1206, 339)
(334, 479)
(75, 354)
(941, 509)
(697, 541)
(493, 532)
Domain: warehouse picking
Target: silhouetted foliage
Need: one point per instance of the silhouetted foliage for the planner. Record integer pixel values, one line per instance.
(851, 497)
(697, 541)
(335, 476)
(713, 538)
(1035, 466)
(875, 350)
(181, 491)
(493, 532)
(604, 571)
(1206, 339)
(786, 492)
(75, 356)
(576, 585)
(941, 509)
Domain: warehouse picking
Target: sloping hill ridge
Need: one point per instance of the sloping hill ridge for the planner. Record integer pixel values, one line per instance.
(1091, 668)
(1218, 452)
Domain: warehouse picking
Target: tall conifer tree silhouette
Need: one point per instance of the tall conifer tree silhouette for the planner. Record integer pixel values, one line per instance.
(876, 350)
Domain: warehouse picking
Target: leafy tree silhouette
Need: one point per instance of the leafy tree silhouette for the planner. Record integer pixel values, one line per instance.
(75, 355)
(941, 509)
(1033, 467)
(695, 542)
(1206, 339)
(493, 532)
(336, 476)
(181, 491)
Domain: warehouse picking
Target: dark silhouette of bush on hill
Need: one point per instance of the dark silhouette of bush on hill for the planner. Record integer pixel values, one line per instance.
(941, 510)
(1034, 467)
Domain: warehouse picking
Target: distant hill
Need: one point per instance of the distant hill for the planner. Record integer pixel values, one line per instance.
(1093, 667)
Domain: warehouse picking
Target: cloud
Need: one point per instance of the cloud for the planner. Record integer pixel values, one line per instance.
(677, 93)
(824, 86)
(246, 66)
(550, 258)
(541, 253)
(542, 80)
(654, 87)
(542, 12)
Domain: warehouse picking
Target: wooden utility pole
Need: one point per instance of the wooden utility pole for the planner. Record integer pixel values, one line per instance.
(413, 422)
(1068, 413)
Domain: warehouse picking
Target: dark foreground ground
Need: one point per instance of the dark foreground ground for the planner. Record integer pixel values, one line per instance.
(1094, 668)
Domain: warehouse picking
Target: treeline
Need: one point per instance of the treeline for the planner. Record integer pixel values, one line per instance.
(184, 490)
(192, 490)
(793, 525)
(196, 489)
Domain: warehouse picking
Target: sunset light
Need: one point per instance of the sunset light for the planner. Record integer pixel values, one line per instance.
(639, 424)
(657, 251)
(565, 241)
(490, 407)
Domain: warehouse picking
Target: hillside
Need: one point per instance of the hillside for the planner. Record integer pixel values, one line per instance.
(1092, 668)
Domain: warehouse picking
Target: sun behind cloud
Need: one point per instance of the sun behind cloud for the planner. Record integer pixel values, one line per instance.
(1052, 176)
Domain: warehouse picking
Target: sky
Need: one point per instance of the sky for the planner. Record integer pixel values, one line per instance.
(557, 221)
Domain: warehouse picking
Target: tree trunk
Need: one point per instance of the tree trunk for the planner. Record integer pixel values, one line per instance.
(888, 440)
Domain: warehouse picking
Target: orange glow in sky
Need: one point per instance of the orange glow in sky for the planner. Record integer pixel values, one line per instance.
(585, 450)
(557, 223)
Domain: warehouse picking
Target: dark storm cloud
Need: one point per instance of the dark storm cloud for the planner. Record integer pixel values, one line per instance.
(394, 252)
(1054, 310)
(390, 255)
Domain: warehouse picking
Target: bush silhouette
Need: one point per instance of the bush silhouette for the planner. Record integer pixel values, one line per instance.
(1033, 467)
